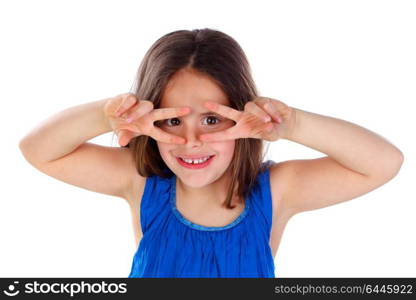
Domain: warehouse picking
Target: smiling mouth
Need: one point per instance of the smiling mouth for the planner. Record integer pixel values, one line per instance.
(198, 159)
(195, 163)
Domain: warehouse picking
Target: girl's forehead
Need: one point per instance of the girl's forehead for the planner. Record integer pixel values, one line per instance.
(195, 103)
(192, 89)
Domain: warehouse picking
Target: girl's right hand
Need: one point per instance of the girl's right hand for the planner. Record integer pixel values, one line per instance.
(130, 117)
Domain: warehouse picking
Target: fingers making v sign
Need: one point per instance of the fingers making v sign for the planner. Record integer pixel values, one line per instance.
(262, 118)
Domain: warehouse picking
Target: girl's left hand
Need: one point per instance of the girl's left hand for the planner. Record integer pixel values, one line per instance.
(262, 118)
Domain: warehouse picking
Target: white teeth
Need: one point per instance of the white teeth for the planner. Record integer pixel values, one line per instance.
(195, 161)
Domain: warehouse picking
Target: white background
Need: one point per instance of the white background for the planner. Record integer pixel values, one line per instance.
(353, 60)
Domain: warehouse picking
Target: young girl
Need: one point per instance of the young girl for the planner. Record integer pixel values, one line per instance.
(204, 203)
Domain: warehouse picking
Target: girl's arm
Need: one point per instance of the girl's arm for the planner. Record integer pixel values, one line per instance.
(358, 161)
(58, 147)
(63, 132)
(351, 145)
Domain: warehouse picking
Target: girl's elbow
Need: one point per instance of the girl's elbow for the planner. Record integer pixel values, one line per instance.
(396, 164)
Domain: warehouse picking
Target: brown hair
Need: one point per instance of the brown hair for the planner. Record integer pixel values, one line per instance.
(219, 56)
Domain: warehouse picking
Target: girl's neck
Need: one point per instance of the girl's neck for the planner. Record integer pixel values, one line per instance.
(211, 195)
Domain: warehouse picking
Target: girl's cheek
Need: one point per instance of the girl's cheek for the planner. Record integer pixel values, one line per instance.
(164, 149)
(225, 148)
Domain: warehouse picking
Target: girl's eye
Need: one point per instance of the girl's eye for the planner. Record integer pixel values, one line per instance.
(175, 121)
(212, 118)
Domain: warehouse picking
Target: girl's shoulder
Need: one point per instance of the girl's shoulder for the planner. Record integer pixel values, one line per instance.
(138, 186)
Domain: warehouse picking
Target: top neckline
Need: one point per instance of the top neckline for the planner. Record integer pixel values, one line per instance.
(190, 224)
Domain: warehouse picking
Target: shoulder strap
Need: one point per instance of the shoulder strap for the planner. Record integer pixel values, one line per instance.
(156, 192)
(261, 195)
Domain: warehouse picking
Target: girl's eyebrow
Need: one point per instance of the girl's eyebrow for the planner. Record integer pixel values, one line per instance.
(208, 113)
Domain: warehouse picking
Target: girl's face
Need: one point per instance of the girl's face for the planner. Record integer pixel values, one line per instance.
(192, 89)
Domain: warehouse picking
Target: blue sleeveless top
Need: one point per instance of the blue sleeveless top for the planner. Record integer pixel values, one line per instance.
(173, 246)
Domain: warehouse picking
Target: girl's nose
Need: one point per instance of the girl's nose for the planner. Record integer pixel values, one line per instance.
(191, 134)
